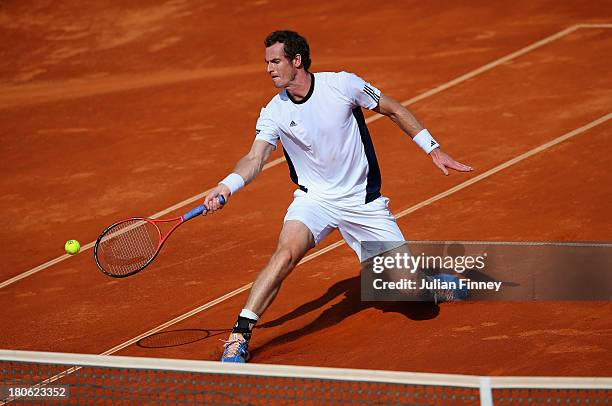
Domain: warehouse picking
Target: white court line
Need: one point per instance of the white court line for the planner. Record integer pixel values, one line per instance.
(403, 213)
(506, 164)
(371, 119)
(594, 25)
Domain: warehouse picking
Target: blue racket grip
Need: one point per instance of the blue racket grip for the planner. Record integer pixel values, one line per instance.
(196, 211)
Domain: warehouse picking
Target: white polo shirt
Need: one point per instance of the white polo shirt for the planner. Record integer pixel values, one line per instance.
(325, 139)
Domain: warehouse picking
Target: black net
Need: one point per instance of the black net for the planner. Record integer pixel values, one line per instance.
(86, 385)
(101, 380)
(552, 396)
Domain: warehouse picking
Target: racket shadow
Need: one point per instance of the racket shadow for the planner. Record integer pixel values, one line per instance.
(176, 338)
(350, 305)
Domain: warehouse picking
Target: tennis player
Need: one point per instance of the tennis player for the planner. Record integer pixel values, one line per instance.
(318, 119)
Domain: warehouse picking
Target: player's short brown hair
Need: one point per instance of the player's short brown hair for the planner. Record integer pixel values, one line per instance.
(294, 44)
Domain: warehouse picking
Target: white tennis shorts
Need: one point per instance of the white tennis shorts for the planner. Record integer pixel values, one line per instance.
(366, 222)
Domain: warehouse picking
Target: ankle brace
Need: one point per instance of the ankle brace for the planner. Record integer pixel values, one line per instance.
(244, 326)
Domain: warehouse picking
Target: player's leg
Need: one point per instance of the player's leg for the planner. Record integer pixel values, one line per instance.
(306, 224)
(294, 241)
(374, 222)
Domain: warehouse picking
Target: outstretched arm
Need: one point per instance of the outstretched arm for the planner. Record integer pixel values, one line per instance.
(245, 171)
(405, 120)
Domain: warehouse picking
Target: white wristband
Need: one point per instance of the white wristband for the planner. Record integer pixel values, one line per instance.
(234, 182)
(424, 140)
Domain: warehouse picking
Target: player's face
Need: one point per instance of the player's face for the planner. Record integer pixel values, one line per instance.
(281, 70)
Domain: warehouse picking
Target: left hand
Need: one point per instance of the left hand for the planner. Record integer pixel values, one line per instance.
(443, 161)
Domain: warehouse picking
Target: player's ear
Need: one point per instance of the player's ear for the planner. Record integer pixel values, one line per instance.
(297, 61)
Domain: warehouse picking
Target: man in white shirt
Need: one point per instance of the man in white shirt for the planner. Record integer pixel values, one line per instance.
(318, 119)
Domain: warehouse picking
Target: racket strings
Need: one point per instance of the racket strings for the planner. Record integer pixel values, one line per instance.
(128, 246)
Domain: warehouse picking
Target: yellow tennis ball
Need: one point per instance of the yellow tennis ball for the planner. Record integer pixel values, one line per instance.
(72, 247)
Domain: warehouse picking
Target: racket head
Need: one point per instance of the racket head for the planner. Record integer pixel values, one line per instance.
(127, 247)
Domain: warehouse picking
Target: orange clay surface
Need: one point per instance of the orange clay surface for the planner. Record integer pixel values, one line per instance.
(113, 110)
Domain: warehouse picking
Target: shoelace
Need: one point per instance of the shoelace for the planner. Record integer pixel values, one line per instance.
(232, 346)
(442, 295)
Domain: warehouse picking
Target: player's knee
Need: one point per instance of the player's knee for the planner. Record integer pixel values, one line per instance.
(285, 259)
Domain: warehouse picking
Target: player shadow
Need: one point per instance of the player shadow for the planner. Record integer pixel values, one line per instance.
(351, 304)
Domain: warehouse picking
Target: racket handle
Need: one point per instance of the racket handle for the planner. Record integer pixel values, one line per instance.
(196, 211)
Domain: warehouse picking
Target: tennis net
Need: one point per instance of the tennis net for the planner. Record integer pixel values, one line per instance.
(58, 378)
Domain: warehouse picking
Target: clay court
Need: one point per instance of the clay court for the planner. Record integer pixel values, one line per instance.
(119, 109)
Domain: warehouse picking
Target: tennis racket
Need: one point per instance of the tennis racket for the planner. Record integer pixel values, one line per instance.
(130, 245)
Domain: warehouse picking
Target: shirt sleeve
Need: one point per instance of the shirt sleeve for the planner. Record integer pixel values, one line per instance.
(266, 129)
(358, 91)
